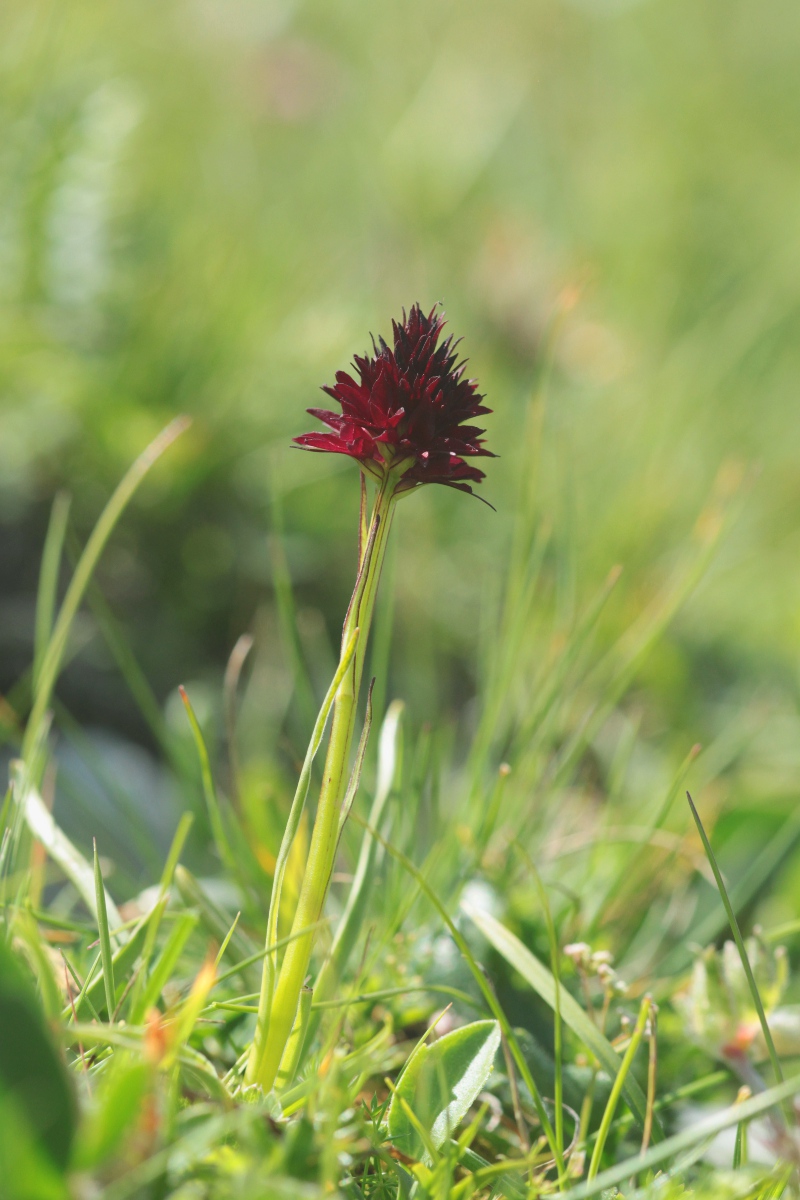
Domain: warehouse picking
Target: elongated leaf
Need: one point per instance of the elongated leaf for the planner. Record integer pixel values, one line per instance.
(289, 833)
(353, 915)
(542, 982)
(440, 1084)
(355, 774)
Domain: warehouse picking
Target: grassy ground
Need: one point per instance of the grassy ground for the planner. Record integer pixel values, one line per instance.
(204, 209)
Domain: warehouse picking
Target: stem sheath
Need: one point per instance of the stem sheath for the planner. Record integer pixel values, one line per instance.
(275, 1024)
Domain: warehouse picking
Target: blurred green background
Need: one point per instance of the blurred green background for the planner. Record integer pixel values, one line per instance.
(205, 207)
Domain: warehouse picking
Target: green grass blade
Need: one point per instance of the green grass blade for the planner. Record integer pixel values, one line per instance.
(355, 774)
(483, 985)
(154, 920)
(740, 946)
(762, 867)
(230, 687)
(209, 790)
(555, 955)
(105, 940)
(623, 875)
(41, 824)
(165, 965)
(287, 613)
(543, 983)
(740, 1146)
(77, 1004)
(129, 668)
(218, 924)
(123, 961)
(175, 851)
(257, 957)
(53, 656)
(47, 594)
(619, 1083)
(226, 941)
(700, 1131)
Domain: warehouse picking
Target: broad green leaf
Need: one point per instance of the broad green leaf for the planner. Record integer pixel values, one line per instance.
(33, 1079)
(440, 1083)
(542, 982)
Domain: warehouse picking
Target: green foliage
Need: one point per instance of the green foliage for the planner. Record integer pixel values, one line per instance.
(540, 979)
(439, 1085)
(115, 1109)
(37, 1095)
(204, 208)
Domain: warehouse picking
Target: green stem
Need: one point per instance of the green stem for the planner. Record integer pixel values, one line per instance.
(616, 1090)
(274, 1027)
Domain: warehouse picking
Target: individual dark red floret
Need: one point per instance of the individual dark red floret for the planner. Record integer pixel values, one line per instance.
(408, 406)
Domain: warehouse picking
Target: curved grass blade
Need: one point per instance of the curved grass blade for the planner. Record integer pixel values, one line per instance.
(47, 593)
(41, 824)
(740, 946)
(53, 655)
(165, 965)
(543, 983)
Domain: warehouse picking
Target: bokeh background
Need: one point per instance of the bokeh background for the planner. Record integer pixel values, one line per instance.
(207, 205)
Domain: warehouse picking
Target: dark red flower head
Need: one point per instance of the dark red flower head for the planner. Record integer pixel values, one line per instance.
(407, 407)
